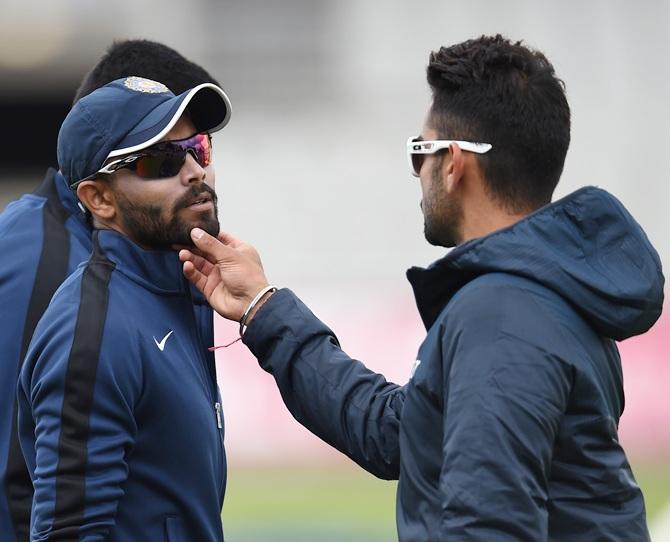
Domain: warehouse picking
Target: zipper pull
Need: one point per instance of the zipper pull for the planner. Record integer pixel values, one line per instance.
(217, 407)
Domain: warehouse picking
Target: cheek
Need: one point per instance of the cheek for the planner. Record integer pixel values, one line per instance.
(210, 175)
(425, 188)
(151, 194)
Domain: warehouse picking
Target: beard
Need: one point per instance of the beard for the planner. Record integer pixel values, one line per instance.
(145, 224)
(442, 213)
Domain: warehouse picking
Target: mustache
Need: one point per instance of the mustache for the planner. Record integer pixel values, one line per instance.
(192, 194)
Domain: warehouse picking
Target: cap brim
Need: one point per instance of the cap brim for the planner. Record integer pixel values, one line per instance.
(207, 104)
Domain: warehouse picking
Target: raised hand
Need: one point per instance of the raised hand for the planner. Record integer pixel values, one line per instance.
(227, 271)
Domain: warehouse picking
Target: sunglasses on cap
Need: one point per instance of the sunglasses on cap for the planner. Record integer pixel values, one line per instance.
(162, 160)
(417, 149)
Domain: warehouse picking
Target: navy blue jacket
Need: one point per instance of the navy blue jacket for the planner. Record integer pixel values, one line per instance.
(44, 236)
(119, 412)
(507, 429)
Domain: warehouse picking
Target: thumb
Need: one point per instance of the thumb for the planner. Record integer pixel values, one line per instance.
(211, 247)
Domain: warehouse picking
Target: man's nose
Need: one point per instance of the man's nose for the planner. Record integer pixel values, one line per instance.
(192, 170)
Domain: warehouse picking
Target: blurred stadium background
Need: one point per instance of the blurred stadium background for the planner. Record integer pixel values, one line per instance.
(312, 171)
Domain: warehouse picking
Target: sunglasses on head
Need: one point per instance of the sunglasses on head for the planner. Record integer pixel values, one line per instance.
(162, 160)
(417, 149)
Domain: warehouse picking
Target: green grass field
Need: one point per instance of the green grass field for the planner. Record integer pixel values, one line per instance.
(308, 504)
(343, 503)
(655, 483)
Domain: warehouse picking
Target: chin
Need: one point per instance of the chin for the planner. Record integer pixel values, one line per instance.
(211, 226)
(444, 238)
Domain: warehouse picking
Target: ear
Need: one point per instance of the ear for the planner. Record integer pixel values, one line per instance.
(454, 167)
(98, 197)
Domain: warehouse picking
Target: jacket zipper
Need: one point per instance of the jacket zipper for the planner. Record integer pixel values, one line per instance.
(217, 404)
(217, 408)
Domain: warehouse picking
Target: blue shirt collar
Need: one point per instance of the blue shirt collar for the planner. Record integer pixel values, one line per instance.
(157, 270)
(67, 197)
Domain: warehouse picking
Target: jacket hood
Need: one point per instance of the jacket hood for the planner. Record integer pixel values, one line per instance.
(586, 247)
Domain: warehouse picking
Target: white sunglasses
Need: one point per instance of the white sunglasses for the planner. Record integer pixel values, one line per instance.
(417, 149)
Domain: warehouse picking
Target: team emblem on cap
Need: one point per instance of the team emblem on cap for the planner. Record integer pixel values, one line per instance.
(140, 84)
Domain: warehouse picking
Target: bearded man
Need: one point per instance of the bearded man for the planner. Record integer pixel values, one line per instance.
(119, 411)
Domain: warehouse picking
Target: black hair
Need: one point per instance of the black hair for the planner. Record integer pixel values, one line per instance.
(491, 90)
(144, 58)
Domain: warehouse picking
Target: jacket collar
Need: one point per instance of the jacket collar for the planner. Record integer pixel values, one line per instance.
(585, 247)
(67, 197)
(55, 189)
(435, 285)
(157, 270)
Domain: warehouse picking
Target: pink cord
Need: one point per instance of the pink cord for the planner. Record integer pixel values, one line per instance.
(212, 348)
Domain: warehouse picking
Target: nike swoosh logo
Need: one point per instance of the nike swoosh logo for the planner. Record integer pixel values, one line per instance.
(161, 344)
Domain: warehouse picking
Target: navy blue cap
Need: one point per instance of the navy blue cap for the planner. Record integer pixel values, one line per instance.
(128, 115)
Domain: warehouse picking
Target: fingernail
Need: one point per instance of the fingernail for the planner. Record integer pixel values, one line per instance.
(196, 233)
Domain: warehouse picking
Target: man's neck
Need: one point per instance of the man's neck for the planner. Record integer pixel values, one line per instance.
(486, 218)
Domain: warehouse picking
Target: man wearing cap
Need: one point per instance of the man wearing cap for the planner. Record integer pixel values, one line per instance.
(119, 413)
(48, 236)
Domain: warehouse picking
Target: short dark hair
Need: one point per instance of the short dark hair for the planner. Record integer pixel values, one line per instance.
(494, 91)
(144, 58)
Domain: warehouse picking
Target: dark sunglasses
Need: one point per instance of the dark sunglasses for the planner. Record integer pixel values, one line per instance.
(417, 149)
(162, 160)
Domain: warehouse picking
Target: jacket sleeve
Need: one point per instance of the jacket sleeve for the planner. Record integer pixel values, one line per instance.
(504, 396)
(337, 398)
(83, 431)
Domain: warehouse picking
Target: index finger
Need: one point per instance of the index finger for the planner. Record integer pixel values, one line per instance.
(228, 239)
